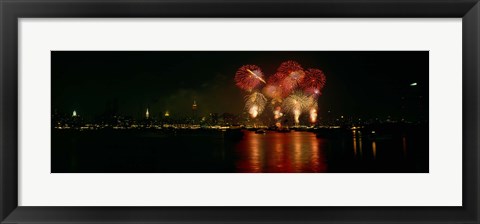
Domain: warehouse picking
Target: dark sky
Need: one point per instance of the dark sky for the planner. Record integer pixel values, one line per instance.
(365, 84)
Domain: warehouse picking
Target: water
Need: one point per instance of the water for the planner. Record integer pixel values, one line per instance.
(127, 151)
(281, 152)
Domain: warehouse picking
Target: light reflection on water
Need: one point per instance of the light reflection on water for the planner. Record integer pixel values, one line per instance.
(212, 152)
(355, 143)
(280, 152)
(297, 152)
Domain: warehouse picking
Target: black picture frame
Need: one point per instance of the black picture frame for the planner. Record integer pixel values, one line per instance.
(12, 10)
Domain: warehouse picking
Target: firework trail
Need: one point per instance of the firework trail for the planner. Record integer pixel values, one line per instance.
(257, 76)
(255, 104)
(314, 82)
(313, 111)
(248, 77)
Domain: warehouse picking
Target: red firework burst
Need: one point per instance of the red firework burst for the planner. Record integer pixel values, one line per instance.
(293, 71)
(272, 91)
(314, 82)
(248, 77)
(276, 78)
(284, 84)
(288, 67)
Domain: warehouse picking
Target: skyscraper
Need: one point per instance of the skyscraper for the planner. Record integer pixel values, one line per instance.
(147, 114)
(194, 111)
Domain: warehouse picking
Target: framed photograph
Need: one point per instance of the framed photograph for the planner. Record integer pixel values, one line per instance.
(247, 112)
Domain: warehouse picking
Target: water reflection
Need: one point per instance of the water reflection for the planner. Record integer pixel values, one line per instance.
(360, 143)
(278, 156)
(303, 152)
(297, 153)
(255, 163)
(336, 151)
(315, 164)
(283, 152)
(355, 143)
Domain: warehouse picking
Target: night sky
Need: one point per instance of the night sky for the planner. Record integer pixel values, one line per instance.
(359, 84)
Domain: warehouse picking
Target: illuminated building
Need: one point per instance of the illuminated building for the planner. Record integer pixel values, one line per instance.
(194, 111)
(147, 114)
(74, 114)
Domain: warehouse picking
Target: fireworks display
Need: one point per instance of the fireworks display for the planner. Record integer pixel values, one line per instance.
(248, 77)
(292, 72)
(297, 103)
(288, 67)
(273, 91)
(314, 82)
(255, 104)
(277, 112)
(291, 90)
(313, 112)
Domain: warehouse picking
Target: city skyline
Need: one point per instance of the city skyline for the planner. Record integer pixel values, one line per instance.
(164, 114)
